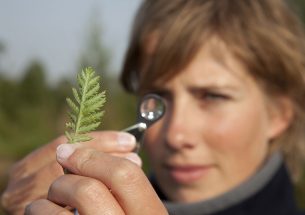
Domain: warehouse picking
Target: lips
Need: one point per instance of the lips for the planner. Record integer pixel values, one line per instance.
(187, 173)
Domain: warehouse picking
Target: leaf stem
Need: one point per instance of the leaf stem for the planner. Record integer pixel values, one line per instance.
(83, 95)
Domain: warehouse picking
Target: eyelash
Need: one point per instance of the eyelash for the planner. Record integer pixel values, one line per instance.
(204, 97)
(211, 96)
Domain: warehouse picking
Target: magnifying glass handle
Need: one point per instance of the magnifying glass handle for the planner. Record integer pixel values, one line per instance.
(137, 130)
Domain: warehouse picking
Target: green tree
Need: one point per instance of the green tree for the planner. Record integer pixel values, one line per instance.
(2, 50)
(120, 107)
(95, 54)
(299, 6)
(30, 112)
(33, 86)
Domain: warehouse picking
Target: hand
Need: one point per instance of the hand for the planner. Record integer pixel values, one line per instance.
(31, 177)
(101, 184)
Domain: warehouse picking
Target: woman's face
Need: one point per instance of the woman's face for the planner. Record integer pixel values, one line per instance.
(216, 129)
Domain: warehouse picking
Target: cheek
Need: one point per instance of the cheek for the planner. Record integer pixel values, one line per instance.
(152, 143)
(240, 137)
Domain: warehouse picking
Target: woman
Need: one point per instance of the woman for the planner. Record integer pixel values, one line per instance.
(232, 75)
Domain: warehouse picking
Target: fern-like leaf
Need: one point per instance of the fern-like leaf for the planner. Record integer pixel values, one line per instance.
(86, 107)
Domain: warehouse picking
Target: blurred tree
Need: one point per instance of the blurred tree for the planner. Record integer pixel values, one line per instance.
(60, 93)
(31, 114)
(33, 86)
(2, 49)
(23, 127)
(120, 107)
(299, 6)
(95, 53)
(30, 111)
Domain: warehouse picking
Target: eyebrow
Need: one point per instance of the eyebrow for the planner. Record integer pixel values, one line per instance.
(213, 87)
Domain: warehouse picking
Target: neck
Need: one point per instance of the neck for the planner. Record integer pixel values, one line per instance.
(271, 182)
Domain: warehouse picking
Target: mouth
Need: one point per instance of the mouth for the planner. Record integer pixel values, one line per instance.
(187, 174)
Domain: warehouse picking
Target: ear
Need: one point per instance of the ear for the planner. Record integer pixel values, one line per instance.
(281, 113)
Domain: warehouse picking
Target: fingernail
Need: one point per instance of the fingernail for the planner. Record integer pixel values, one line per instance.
(64, 151)
(126, 139)
(133, 157)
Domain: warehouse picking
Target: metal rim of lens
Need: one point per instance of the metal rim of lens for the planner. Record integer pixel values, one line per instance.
(155, 111)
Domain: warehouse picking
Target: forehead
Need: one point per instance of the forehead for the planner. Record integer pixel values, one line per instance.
(212, 58)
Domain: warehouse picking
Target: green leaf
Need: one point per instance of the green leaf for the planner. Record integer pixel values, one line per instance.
(86, 113)
(76, 96)
(68, 137)
(90, 127)
(94, 81)
(73, 106)
(94, 107)
(70, 125)
(92, 118)
(72, 117)
(81, 138)
(93, 91)
(99, 97)
(80, 81)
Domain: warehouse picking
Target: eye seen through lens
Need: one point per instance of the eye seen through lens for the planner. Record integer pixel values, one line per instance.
(152, 108)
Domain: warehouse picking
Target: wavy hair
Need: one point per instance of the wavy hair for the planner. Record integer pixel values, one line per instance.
(266, 36)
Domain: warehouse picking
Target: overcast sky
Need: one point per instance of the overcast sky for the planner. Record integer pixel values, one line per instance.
(55, 31)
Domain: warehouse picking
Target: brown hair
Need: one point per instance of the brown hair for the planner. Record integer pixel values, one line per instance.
(266, 36)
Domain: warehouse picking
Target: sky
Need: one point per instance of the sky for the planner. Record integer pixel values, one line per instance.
(54, 32)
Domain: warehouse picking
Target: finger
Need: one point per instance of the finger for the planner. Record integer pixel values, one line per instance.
(106, 141)
(88, 195)
(36, 160)
(30, 188)
(111, 141)
(44, 206)
(26, 183)
(126, 180)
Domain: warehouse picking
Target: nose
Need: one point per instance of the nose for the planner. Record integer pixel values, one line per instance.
(179, 126)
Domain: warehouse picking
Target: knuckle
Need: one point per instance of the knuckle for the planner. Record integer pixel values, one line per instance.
(5, 199)
(55, 169)
(29, 209)
(47, 173)
(89, 190)
(34, 206)
(17, 196)
(55, 186)
(52, 170)
(82, 158)
(19, 170)
(125, 172)
(14, 168)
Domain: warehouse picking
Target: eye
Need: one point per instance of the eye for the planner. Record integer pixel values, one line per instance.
(209, 96)
(213, 96)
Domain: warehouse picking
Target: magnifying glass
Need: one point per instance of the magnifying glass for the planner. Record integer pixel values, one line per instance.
(150, 109)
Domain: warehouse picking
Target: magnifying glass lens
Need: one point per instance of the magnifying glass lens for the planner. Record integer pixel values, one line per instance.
(152, 109)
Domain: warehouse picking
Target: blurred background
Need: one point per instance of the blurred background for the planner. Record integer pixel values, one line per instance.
(43, 45)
